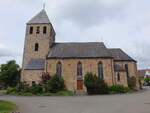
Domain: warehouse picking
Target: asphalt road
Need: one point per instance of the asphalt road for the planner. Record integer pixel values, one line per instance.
(126, 103)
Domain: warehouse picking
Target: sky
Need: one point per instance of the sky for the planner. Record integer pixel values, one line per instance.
(121, 24)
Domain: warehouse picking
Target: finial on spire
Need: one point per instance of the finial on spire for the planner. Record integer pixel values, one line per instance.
(44, 5)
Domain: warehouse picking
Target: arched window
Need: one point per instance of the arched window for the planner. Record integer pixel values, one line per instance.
(36, 47)
(100, 70)
(31, 30)
(59, 69)
(127, 69)
(118, 77)
(38, 30)
(44, 30)
(79, 69)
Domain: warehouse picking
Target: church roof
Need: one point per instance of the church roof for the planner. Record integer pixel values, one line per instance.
(40, 18)
(120, 55)
(79, 50)
(35, 64)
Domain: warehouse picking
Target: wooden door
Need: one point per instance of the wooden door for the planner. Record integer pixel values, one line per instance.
(79, 84)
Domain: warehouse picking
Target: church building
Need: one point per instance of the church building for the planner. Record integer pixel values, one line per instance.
(71, 60)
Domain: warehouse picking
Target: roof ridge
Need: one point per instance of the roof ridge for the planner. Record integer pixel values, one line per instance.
(40, 18)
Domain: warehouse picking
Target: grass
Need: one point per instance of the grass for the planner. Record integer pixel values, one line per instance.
(6, 107)
(60, 93)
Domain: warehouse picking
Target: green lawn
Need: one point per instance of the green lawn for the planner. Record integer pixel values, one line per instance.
(6, 107)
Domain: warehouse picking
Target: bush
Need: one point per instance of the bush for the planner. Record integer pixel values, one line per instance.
(36, 88)
(10, 90)
(132, 82)
(118, 89)
(56, 84)
(95, 85)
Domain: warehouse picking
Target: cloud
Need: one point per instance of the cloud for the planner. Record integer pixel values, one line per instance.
(87, 13)
(122, 23)
(5, 51)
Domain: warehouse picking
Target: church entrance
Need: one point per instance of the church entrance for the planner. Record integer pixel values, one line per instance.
(79, 84)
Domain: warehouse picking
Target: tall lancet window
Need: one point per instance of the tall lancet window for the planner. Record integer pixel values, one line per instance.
(100, 70)
(44, 30)
(79, 69)
(31, 30)
(36, 48)
(59, 69)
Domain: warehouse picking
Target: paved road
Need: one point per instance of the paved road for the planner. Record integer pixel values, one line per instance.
(128, 103)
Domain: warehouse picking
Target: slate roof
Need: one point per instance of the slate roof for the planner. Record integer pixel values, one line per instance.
(120, 55)
(118, 68)
(35, 64)
(40, 18)
(79, 50)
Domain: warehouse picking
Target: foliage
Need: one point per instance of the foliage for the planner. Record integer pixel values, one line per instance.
(10, 90)
(95, 85)
(132, 82)
(9, 74)
(56, 84)
(35, 88)
(45, 77)
(118, 89)
(6, 107)
(147, 79)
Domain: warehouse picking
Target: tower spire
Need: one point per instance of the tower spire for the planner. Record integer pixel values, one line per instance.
(44, 5)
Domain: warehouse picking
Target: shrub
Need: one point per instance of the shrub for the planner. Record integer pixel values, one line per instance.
(10, 90)
(118, 89)
(45, 77)
(35, 88)
(95, 85)
(132, 82)
(56, 84)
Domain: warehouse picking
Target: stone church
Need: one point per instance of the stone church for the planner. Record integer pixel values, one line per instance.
(71, 60)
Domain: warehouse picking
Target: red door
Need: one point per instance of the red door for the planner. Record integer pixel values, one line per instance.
(79, 84)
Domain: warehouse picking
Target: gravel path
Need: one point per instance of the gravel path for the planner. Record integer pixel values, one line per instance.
(127, 103)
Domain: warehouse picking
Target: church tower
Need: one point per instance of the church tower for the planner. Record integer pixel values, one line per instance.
(40, 36)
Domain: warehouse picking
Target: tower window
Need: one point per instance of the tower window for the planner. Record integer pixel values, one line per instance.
(38, 30)
(31, 30)
(79, 69)
(59, 69)
(118, 77)
(100, 70)
(127, 69)
(36, 47)
(44, 30)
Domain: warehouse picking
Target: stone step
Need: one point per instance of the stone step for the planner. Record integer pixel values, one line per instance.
(80, 93)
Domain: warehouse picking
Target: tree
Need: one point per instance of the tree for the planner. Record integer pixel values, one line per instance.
(132, 82)
(95, 84)
(147, 79)
(9, 74)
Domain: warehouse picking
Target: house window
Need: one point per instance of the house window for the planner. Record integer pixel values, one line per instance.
(58, 69)
(36, 47)
(31, 30)
(44, 30)
(79, 69)
(118, 77)
(38, 30)
(100, 70)
(127, 69)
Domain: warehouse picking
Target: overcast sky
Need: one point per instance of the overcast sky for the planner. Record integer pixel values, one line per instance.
(118, 23)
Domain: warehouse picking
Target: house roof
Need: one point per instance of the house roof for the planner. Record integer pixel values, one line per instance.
(120, 55)
(40, 18)
(142, 72)
(35, 64)
(79, 50)
(118, 68)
